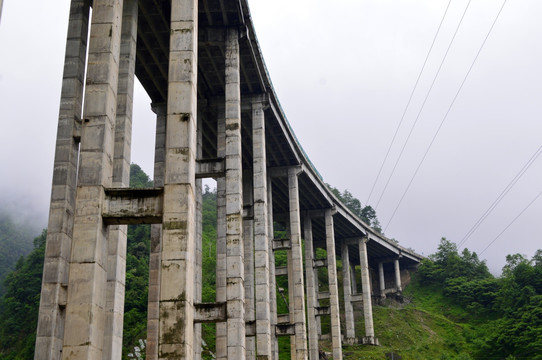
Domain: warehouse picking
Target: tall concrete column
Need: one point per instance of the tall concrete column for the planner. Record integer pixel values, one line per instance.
(397, 275)
(366, 291)
(117, 236)
(178, 225)
(248, 239)
(235, 291)
(272, 278)
(347, 290)
(221, 329)
(297, 265)
(381, 280)
(333, 286)
(261, 234)
(50, 331)
(153, 308)
(199, 240)
(85, 311)
(312, 291)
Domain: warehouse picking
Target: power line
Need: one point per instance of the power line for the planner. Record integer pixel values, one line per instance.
(501, 196)
(513, 221)
(423, 104)
(446, 115)
(408, 104)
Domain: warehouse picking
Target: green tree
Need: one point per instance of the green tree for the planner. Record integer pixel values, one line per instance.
(19, 305)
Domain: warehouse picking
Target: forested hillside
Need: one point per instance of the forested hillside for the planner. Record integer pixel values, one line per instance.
(15, 241)
(453, 309)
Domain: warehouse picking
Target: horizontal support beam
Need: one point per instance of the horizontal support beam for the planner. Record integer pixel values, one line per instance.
(284, 329)
(210, 312)
(281, 270)
(208, 168)
(282, 171)
(282, 244)
(322, 310)
(125, 206)
(356, 298)
(323, 295)
(319, 263)
(283, 318)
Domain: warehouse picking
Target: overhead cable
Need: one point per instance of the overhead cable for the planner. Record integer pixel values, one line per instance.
(423, 104)
(512, 222)
(408, 104)
(446, 115)
(501, 196)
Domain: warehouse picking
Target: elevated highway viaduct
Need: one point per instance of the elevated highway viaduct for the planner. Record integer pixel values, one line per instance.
(217, 116)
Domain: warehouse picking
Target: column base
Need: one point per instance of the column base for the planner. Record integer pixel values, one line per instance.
(370, 340)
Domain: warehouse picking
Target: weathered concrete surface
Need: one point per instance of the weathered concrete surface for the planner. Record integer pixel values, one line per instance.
(369, 337)
(153, 308)
(311, 290)
(349, 324)
(50, 331)
(272, 279)
(85, 310)
(235, 291)
(178, 227)
(297, 266)
(117, 234)
(133, 206)
(261, 234)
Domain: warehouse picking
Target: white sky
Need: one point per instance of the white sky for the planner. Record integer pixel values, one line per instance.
(343, 71)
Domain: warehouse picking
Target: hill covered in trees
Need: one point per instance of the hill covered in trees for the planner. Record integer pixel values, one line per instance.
(453, 309)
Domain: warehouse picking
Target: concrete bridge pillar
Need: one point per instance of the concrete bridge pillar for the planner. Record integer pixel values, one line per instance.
(117, 235)
(199, 237)
(272, 278)
(176, 334)
(347, 286)
(153, 308)
(248, 239)
(86, 305)
(262, 245)
(366, 289)
(381, 280)
(221, 329)
(235, 277)
(297, 266)
(51, 318)
(311, 290)
(333, 286)
(397, 275)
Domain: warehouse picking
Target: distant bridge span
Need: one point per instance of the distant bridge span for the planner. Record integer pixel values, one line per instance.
(217, 116)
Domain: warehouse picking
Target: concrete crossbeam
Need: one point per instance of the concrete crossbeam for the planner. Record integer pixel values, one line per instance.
(133, 206)
(210, 312)
(209, 168)
(285, 329)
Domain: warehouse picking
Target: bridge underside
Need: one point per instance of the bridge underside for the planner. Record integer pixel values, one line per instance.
(217, 116)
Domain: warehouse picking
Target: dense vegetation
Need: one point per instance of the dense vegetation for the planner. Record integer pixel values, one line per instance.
(15, 241)
(454, 308)
(365, 213)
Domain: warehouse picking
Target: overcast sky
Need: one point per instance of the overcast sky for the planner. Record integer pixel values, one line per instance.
(343, 72)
